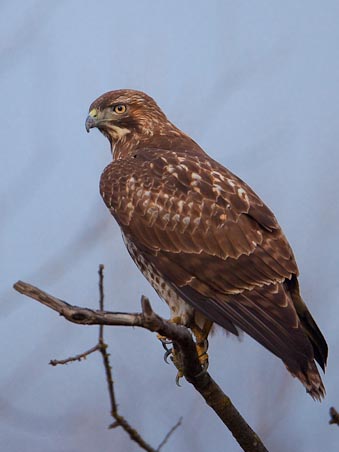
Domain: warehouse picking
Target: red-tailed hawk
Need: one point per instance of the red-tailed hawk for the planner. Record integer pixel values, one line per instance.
(204, 240)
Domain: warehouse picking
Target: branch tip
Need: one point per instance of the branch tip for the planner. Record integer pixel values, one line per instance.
(114, 425)
(164, 441)
(334, 416)
(18, 286)
(146, 306)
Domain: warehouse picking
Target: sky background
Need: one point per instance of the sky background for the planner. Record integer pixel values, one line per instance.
(256, 84)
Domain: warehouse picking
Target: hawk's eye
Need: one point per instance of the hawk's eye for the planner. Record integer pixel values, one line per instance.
(119, 108)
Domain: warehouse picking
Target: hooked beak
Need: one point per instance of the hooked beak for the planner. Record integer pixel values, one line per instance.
(92, 119)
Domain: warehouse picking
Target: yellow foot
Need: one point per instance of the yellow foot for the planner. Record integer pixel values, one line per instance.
(202, 348)
(177, 361)
(164, 341)
(171, 353)
(201, 335)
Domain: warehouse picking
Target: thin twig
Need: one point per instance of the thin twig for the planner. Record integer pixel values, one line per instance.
(164, 441)
(334, 416)
(119, 421)
(101, 287)
(103, 349)
(80, 357)
(186, 355)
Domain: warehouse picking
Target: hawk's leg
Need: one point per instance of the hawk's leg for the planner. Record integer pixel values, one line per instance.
(201, 334)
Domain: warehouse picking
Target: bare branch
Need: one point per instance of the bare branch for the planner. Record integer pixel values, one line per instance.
(185, 352)
(79, 357)
(82, 316)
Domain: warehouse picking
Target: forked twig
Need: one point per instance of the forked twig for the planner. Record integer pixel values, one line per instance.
(101, 346)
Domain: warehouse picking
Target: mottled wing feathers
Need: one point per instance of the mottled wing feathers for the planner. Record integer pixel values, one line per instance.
(219, 247)
(215, 243)
(189, 194)
(191, 206)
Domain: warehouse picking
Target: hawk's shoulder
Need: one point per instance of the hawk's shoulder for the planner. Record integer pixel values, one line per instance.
(185, 202)
(191, 176)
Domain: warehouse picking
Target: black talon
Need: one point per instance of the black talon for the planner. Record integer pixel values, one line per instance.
(167, 354)
(177, 380)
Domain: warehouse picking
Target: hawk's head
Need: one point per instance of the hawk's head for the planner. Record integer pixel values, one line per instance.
(125, 115)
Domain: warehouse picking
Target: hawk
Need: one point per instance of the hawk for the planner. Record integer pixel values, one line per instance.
(201, 236)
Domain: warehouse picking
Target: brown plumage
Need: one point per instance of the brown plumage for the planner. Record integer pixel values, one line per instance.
(205, 241)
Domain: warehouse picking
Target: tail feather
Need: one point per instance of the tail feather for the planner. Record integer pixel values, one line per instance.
(311, 379)
(277, 318)
(311, 329)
